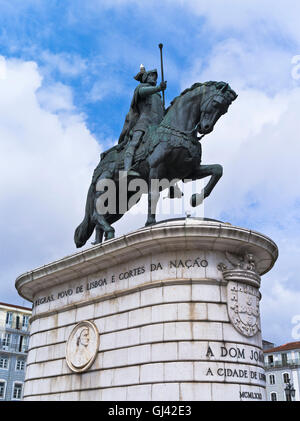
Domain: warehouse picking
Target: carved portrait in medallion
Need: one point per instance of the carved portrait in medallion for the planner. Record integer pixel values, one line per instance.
(82, 346)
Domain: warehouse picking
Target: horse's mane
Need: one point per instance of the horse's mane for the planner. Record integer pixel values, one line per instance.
(218, 85)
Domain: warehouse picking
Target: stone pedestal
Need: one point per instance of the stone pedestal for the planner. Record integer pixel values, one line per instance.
(168, 312)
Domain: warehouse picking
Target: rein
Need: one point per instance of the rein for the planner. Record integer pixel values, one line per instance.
(182, 132)
(190, 132)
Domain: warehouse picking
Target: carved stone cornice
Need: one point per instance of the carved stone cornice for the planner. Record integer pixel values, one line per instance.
(170, 236)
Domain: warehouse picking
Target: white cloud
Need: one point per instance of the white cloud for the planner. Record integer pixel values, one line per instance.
(245, 65)
(280, 305)
(46, 165)
(56, 97)
(266, 18)
(65, 63)
(109, 86)
(275, 21)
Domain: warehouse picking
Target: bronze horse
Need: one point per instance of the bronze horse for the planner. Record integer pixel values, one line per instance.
(169, 151)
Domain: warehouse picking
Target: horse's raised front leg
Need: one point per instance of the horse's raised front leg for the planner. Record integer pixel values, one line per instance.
(215, 171)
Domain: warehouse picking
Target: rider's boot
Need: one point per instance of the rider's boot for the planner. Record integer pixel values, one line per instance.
(127, 163)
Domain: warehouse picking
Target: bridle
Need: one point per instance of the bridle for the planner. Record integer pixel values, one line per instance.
(190, 132)
(186, 133)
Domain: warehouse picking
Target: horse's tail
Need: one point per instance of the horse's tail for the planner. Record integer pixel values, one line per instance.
(86, 228)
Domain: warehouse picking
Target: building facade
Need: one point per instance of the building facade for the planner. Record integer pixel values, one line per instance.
(282, 365)
(14, 338)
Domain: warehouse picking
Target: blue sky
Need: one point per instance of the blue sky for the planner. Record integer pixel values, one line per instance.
(98, 49)
(66, 81)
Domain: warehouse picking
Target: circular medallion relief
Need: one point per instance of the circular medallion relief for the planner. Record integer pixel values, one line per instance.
(82, 346)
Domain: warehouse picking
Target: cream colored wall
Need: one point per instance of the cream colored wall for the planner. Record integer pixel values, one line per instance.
(16, 312)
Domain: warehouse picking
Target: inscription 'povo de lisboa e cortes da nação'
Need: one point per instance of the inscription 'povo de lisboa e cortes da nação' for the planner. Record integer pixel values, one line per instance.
(100, 282)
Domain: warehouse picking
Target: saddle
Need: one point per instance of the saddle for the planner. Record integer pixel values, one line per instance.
(112, 160)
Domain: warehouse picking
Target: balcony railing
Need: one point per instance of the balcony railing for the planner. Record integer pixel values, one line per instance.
(13, 348)
(14, 326)
(283, 364)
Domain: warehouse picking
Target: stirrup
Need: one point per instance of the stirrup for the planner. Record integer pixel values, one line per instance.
(132, 173)
(129, 173)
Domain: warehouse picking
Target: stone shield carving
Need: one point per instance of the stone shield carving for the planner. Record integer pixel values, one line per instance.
(243, 307)
(243, 294)
(82, 346)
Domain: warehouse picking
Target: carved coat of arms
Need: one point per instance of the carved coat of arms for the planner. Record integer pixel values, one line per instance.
(243, 307)
(243, 294)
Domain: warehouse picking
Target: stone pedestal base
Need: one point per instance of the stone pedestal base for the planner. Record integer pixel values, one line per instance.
(169, 312)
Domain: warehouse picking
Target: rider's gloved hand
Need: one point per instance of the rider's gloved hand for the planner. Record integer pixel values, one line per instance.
(163, 85)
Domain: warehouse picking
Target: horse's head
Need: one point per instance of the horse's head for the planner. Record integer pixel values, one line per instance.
(217, 96)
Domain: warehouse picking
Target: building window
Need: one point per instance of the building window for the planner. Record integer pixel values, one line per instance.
(18, 322)
(284, 359)
(272, 379)
(25, 322)
(3, 362)
(270, 360)
(9, 318)
(25, 343)
(286, 377)
(20, 365)
(2, 389)
(273, 396)
(21, 338)
(17, 392)
(6, 340)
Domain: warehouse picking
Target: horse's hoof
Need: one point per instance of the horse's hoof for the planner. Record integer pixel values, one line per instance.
(94, 243)
(110, 235)
(196, 199)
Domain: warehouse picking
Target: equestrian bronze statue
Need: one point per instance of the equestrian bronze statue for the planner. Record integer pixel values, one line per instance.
(154, 144)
